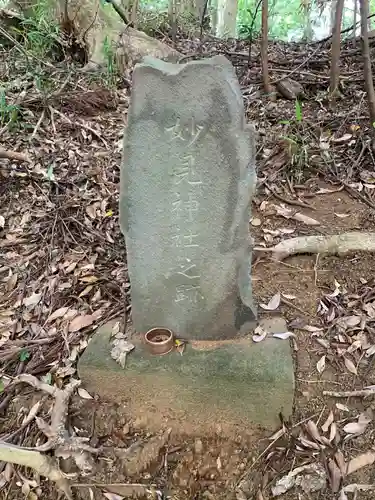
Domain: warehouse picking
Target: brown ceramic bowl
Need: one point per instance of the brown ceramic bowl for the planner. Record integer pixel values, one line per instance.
(159, 340)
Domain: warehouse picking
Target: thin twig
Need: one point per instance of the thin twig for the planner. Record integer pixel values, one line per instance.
(41, 118)
(287, 200)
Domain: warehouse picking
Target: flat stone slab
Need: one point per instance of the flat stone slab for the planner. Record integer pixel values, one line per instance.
(238, 385)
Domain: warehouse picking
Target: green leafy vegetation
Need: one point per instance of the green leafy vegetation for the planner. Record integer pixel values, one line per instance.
(40, 30)
(9, 113)
(287, 19)
(24, 355)
(296, 138)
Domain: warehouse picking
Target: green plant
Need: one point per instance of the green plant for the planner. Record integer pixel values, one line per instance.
(295, 140)
(9, 113)
(24, 355)
(40, 30)
(110, 58)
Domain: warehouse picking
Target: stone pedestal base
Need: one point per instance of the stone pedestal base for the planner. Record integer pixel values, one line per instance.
(228, 386)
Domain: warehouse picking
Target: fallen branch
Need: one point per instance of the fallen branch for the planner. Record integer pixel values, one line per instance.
(362, 393)
(13, 155)
(336, 244)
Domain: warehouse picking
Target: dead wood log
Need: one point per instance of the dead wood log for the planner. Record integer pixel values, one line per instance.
(13, 155)
(336, 244)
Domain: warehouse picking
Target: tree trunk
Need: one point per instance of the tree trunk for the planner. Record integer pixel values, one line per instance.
(264, 48)
(226, 18)
(367, 71)
(355, 19)
(213, 12)
(308, 31)
(335, 48)
(133, 13)
(102, 26)
(333, 14)
(172, 14)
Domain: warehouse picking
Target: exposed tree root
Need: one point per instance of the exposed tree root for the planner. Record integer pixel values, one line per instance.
(336, 244)
(58, 438)
(42, 464)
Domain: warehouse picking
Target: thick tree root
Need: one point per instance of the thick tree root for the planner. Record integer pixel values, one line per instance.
(58, 438)
(42, 464)
(336, 244)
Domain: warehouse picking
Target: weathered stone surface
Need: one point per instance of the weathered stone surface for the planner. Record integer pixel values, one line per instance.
(186, 188)
(238, 385)
(290, 89)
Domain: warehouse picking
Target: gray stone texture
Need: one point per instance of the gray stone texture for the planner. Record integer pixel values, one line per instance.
(187, 180)
(235, 385)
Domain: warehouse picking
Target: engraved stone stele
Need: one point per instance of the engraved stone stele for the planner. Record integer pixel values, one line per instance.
(187, 180)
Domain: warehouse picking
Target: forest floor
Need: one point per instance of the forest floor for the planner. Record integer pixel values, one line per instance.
(63, 273)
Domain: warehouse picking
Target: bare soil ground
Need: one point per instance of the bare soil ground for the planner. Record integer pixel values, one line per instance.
(61, 250)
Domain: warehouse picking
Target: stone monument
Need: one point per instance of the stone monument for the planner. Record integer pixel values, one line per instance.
(187, 181)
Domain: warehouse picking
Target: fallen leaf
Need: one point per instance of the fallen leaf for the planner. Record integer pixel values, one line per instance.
(86, 291)
(342, 407)
(333, 432)
(313, 479)
(278, 434)
(313, 430)
(283, 336)
(259, 334)
(344, 138)
(328, 422)
(84, 394)
(364, 418)
(113, 496)
(348, 321)
(336, 292)
(11, 283)
(321, 364)
(81, 322)
(341, 216)
(91, 211)
(307, 443)
(350, 366)
(273, 304)
(59, 313)
(120, 349)
(89, 279)
(2, 222)
(355, 428)
(340, 460)
(361, 461)
(256, 222)
(292, 214)
(370, 351)
(312, 329)
(70, 267)
(129, 490)
(343, 495)
(32, 300)
(334, 475)
(323, 342)
(353, 488)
